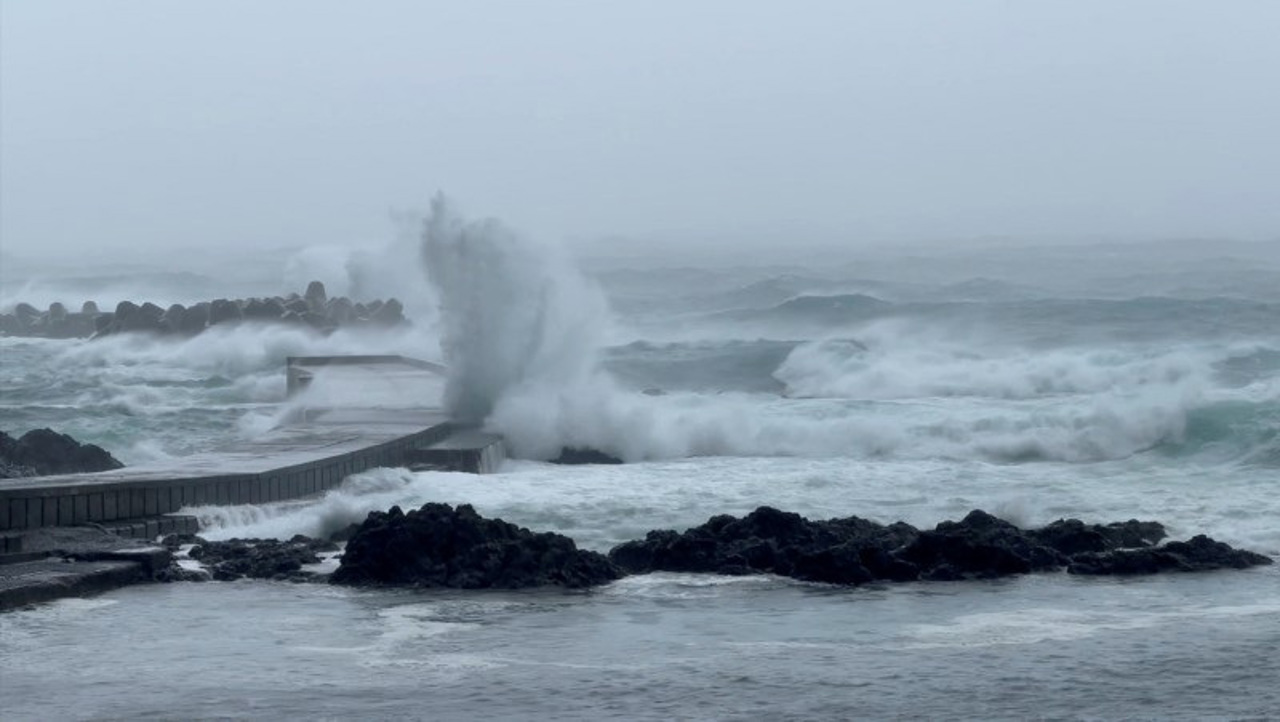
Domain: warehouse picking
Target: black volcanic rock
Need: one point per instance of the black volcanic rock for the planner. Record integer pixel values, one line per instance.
(573, 456)
(260, 558)
(854, 551)
(439, 546)
(1072, 536)
(1198, 554)
(842, 551)
(44, 452)
(980, 545)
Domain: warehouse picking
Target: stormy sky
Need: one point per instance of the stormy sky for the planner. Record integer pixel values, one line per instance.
(128, 126)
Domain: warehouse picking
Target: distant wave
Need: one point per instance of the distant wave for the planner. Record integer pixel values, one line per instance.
(1041, 320)
(524, 339)
(894, 364)
(703, 366)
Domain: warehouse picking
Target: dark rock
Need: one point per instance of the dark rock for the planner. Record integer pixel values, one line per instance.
(839, 551)
(584, 456)
(345, 533)
(175, 573)
(273, 307)
(389, 313)
(26, 314)
(196, 319)
(979, 546)
(1133, 533)
(1198, 554)
(439, 546)
(174, 318)
(315, 296)
(258, 309)
(103, 323)
(260, 558)
(80, 325)
(297, 306)
(854, 551)
(116, 321)
(10, 467)
(130, 317)
(1072, 536)
(53, 322)
(10, 325)
(47, 452)
(315, 310)
(339, 310)
(224, 311)
(174, 541)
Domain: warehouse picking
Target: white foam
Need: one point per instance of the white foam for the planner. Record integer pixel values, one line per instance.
(515, 314)
(522, 330)
(373, 490)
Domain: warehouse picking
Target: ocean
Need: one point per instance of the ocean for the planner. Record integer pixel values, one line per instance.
(1037, 383)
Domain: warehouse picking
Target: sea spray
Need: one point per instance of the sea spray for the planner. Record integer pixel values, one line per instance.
(370, 271)
(522, 330)
(515, 314)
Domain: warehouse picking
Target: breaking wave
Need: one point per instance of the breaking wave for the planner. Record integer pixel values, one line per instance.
(523, 333)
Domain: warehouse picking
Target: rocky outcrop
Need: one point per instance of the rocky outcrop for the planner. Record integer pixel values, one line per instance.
(1072, 536)
(259, 558)
(574, 455)
(439, 546)
(1198, 554)
(314, 309)
(980, 546)
(41, 452)
(769, 541)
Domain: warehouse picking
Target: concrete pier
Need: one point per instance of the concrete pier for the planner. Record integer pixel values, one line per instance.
(469, 450)
(348, 415)
(302, 459)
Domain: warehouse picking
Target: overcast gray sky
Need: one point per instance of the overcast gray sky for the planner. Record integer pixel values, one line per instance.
(145, 124)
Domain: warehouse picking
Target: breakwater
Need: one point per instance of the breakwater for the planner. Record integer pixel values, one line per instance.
(299, 460)
(314, 309)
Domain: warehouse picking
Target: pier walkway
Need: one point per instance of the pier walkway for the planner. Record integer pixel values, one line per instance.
(312, 453)
(345, 415)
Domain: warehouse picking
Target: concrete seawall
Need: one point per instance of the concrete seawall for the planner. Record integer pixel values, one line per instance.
(290, 463)
(321, 443)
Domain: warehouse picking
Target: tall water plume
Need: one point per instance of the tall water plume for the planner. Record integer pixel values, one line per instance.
(515, 314)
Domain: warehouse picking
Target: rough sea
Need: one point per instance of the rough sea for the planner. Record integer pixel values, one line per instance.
(1097, 382)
